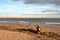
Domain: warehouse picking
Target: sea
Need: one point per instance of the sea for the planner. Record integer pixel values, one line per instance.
(50, 22)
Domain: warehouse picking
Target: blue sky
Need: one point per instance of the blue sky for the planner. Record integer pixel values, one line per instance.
(23, 9)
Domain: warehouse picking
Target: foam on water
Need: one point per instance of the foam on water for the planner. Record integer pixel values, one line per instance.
(52, 23)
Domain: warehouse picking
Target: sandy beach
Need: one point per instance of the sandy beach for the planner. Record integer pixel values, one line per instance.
(18, 32)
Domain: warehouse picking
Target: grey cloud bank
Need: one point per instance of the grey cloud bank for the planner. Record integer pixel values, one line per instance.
(50, 10)
(43, 1)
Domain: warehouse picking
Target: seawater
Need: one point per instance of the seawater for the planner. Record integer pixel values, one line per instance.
(54, 22)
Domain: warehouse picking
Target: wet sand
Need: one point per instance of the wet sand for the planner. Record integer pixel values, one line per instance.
(21, 32)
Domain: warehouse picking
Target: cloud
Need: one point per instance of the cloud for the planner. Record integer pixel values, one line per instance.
(51, 10)
(39, 1)
(43, 1)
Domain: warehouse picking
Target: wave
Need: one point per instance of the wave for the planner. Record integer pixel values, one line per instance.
(52, 23)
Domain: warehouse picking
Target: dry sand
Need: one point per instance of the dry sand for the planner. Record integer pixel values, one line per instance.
(18, 32)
